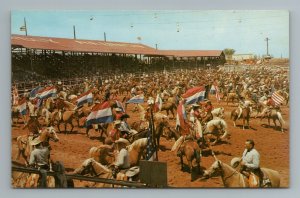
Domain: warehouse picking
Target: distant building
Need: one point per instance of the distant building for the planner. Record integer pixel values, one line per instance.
(243, 57)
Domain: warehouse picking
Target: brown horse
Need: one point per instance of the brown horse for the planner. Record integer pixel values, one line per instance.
(24, 142)
(191, 150)
(92, 168)
(232, 97)
(245, 116)
(103, 154)
(169, 106)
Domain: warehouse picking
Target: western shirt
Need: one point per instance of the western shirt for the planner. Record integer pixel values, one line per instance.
(123, 159)
(251, 158)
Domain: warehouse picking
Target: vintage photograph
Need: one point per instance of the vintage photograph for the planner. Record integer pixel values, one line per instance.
(150, 99)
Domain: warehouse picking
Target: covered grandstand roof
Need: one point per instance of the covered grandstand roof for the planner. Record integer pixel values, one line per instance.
(78, 45)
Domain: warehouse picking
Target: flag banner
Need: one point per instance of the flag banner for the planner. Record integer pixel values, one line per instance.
(194, 95)
(136, 99)
(101, 113)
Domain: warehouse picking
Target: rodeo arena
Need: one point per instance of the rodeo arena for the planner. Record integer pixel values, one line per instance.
(90, 113)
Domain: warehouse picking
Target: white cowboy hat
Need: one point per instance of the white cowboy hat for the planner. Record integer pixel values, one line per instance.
(118, 109)
(36, 141)
(122, 140)
(235, 162)
(117, 122)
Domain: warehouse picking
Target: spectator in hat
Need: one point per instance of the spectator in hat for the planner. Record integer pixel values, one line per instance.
(39, 158)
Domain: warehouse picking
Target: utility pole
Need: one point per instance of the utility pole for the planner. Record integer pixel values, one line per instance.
(156, 46)
(104, 36)
(25, 26)
(267, 39)
(74, 31)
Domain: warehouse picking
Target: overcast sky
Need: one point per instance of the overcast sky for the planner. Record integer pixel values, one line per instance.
(244, 31)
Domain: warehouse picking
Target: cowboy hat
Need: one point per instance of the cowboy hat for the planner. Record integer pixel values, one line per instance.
(195, 105)
(235, 162)
(36, 141)
(122, 140)
(118, 109)
(117, 122)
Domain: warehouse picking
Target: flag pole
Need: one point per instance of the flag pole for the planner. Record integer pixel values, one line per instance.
(25, 26)
(153, 132)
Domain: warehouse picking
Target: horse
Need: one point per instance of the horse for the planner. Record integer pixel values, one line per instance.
(92, 168)
(168, 106)
(234, 179)
(231, 97)
(24, 142)
(218, 128)
(275, 114)
(27, 180)
(136, 150)
(218, 112)
(245, 116)
(191, 150)
(103, 154)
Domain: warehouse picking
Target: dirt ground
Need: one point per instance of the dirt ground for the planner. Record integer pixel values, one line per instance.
(273, 146)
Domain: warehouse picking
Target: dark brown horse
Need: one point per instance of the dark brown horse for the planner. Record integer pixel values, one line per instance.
(191, 150)
(245, 116)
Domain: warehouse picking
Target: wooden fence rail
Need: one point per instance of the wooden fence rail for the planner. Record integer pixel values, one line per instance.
(84, 178)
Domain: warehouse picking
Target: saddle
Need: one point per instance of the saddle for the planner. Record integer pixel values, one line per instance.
(257, 178)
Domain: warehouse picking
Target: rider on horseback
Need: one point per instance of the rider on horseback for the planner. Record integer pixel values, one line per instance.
(250, 163)
(270, 105)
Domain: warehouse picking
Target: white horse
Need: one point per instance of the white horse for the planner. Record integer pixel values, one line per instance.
(218, 112)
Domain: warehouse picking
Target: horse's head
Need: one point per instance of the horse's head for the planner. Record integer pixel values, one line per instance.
(85, 168)
(50, 133)
(214, 170)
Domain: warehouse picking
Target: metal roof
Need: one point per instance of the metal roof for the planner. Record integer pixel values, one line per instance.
(78, 45)
(191, 53)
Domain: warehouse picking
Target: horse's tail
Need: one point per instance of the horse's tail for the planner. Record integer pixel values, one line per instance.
(177, 144)
(280, 117)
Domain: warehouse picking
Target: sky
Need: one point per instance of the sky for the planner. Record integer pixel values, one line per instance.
(244, 31)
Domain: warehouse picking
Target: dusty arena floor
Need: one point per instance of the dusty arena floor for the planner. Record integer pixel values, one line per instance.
(273, 146)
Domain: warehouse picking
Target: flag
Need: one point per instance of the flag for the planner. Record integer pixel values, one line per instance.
(101, 113)
(151, 147)
(119, 105)
(217, 94)
(181, 118)
(158, 103)
(22, 106)
(194, 95)
(277, 98)
(136, 99)
(33, 93)
(86, 97)
(39, 102)
(46, 92)
(23, 28)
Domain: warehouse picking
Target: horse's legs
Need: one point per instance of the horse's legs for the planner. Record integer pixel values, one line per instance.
(58, 123)
(181, 162)
(274, 121)
(66, 127)
(72, 126)
(234, 123)
(269, 121)
(243, 123)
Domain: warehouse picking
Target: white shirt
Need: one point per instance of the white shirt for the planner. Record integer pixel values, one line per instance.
(123, 159)
(251, 158)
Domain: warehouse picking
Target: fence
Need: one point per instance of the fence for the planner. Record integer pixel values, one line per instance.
(84, 178)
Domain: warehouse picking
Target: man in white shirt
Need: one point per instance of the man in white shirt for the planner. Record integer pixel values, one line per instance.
(251, 163)
(122, 161)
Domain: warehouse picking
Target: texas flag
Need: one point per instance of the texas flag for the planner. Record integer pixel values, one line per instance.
(22, 106)
(47, 92)
(101, 113)
(86, 97)
(194, 95)
(136, 99)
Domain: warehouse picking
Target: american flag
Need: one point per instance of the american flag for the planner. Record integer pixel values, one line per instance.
(277, 98)
(151, 147)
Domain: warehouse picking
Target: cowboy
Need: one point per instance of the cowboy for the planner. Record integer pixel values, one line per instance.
(242, 104)
(250, 163)
(195, 113)
(119, 113)
(125, 128)
(115, 132)
(207, 108)
(122, 162)
(39, 158)
(270, 104)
